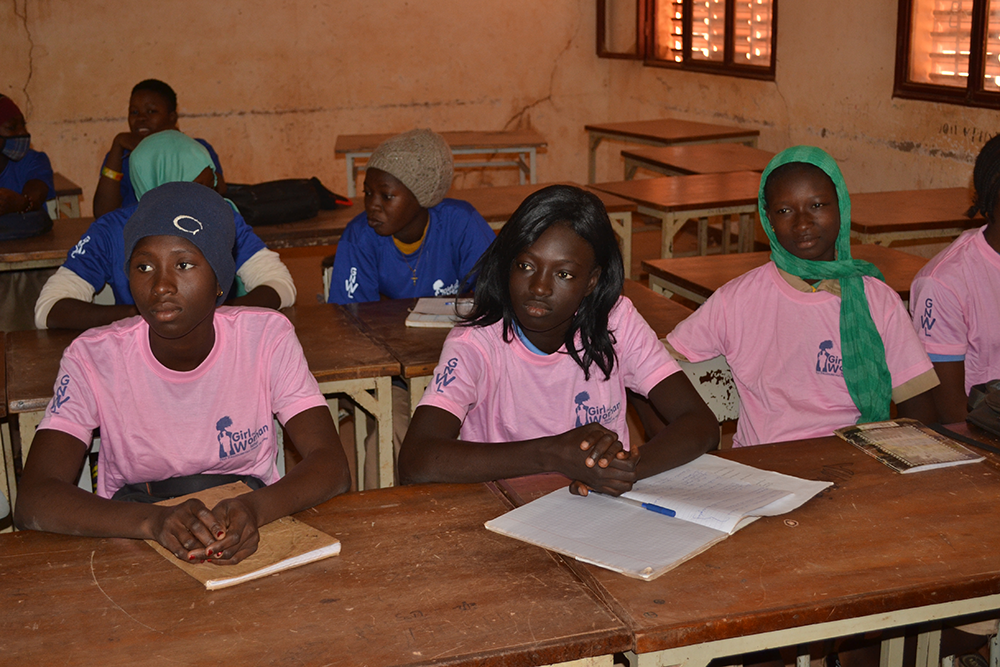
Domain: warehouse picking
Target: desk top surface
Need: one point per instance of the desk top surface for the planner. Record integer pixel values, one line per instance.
(685, 193)
(670, 130)
(64, 186)
(324, 229)
(908, 210)
(704, 275)
(415, 348)
(334, 346)
(497, 204)
(702, 158)
(419, 581)
(875, 542)
(3, 378)
(661, 313)
(362, 143)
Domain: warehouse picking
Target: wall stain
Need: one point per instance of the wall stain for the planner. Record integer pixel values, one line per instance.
(905, 146)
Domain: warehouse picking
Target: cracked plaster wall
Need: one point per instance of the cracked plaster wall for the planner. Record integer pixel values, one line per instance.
(272, 85)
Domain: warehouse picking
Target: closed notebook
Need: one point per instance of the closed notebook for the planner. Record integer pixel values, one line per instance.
(284, 544)
(437, 312)
(906, 445)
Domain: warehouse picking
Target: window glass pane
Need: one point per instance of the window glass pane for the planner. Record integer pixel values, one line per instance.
(708, 30)
(620, 28)
(939, 42)
(993, 48)
(669, 22)
(752, 32)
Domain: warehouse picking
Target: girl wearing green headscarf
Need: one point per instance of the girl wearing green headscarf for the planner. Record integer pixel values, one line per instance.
(816, 340)
(67, 300)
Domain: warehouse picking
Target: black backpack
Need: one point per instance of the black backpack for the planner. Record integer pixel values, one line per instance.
(287, 200)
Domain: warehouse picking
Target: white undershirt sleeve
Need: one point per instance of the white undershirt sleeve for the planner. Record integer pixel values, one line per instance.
(63, 284)
(266, 268)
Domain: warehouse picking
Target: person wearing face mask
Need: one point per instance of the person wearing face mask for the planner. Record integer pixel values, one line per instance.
(25, 174)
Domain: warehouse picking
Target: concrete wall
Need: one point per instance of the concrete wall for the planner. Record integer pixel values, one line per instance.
(271, 85)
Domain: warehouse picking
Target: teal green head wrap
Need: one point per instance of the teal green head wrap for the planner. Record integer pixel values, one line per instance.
(865, 371)
(166, 157)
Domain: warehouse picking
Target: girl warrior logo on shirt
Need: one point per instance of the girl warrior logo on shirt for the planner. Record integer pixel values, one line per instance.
(445, 377)
(927, 320)
(826, 363)
(232, 443)
(586, 414)
(62, 395)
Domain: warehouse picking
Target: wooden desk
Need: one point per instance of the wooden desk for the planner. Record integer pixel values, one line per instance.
(325, 229)
(67, 199)
(417, 349)
(884, 217)
(50, 249)
(497, 204)
(697, 278)
(345, 360)
(523, 144)
(876, 551)
(661, 314)
(45, 251)
(695, 159)
(8, 482)
(675, 199)
(663, 132)
(419, 581)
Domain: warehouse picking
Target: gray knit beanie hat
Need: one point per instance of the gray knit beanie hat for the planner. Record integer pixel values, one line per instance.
(421, 160)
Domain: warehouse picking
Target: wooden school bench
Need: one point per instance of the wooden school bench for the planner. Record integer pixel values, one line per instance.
(522, 145)
(419, 581)
(497, 204)
(673, 200)
(342, 358)
(697, 278)
(662, 132)
(695, 159)
(876, 551)
(885, 217)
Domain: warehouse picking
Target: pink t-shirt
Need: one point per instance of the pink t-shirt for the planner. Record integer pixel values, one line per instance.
(157, 423)
(783, 346)
(955, 300)
(503, 392)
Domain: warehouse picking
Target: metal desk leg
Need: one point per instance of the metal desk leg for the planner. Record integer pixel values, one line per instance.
(9, 480)
(417, 387)
(352, 190)
(892, 652)
(929, 648)
(702, 236)
(592, 144)
(534, 166)
(746, 239)
(622, 225)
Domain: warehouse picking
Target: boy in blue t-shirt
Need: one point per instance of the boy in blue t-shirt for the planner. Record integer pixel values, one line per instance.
(25, 175)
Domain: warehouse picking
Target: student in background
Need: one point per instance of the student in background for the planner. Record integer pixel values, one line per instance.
(954, 298)
(410, 241)
(25, 174)
(185, 397)
(534, 380)
(815, 339)
(152, 108)
(98, 259)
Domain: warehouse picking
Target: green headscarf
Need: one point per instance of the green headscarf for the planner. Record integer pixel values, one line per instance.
(865, 371)
(166, 157)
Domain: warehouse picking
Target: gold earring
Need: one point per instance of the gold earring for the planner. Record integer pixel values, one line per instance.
(220, 292)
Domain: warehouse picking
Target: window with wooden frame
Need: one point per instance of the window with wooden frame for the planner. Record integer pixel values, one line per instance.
(732, 37)
(949, 51)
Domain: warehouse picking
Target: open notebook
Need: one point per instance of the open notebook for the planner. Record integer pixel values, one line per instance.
(437, 312)
(663, 521)
(284, 544)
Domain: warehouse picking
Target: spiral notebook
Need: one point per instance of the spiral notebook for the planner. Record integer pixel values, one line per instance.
(907, 446)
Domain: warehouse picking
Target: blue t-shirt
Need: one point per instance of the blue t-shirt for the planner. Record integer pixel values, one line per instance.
(99, 256)
(128, 194)
(34, 165)
(368, 265)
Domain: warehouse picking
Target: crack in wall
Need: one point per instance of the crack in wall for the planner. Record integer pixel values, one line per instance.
(23, 16)
(517, 118)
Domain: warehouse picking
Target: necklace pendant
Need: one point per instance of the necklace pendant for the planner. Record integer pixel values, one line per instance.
(414, 279)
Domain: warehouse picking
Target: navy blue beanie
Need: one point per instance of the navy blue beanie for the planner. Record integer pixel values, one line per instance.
(193, 212)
